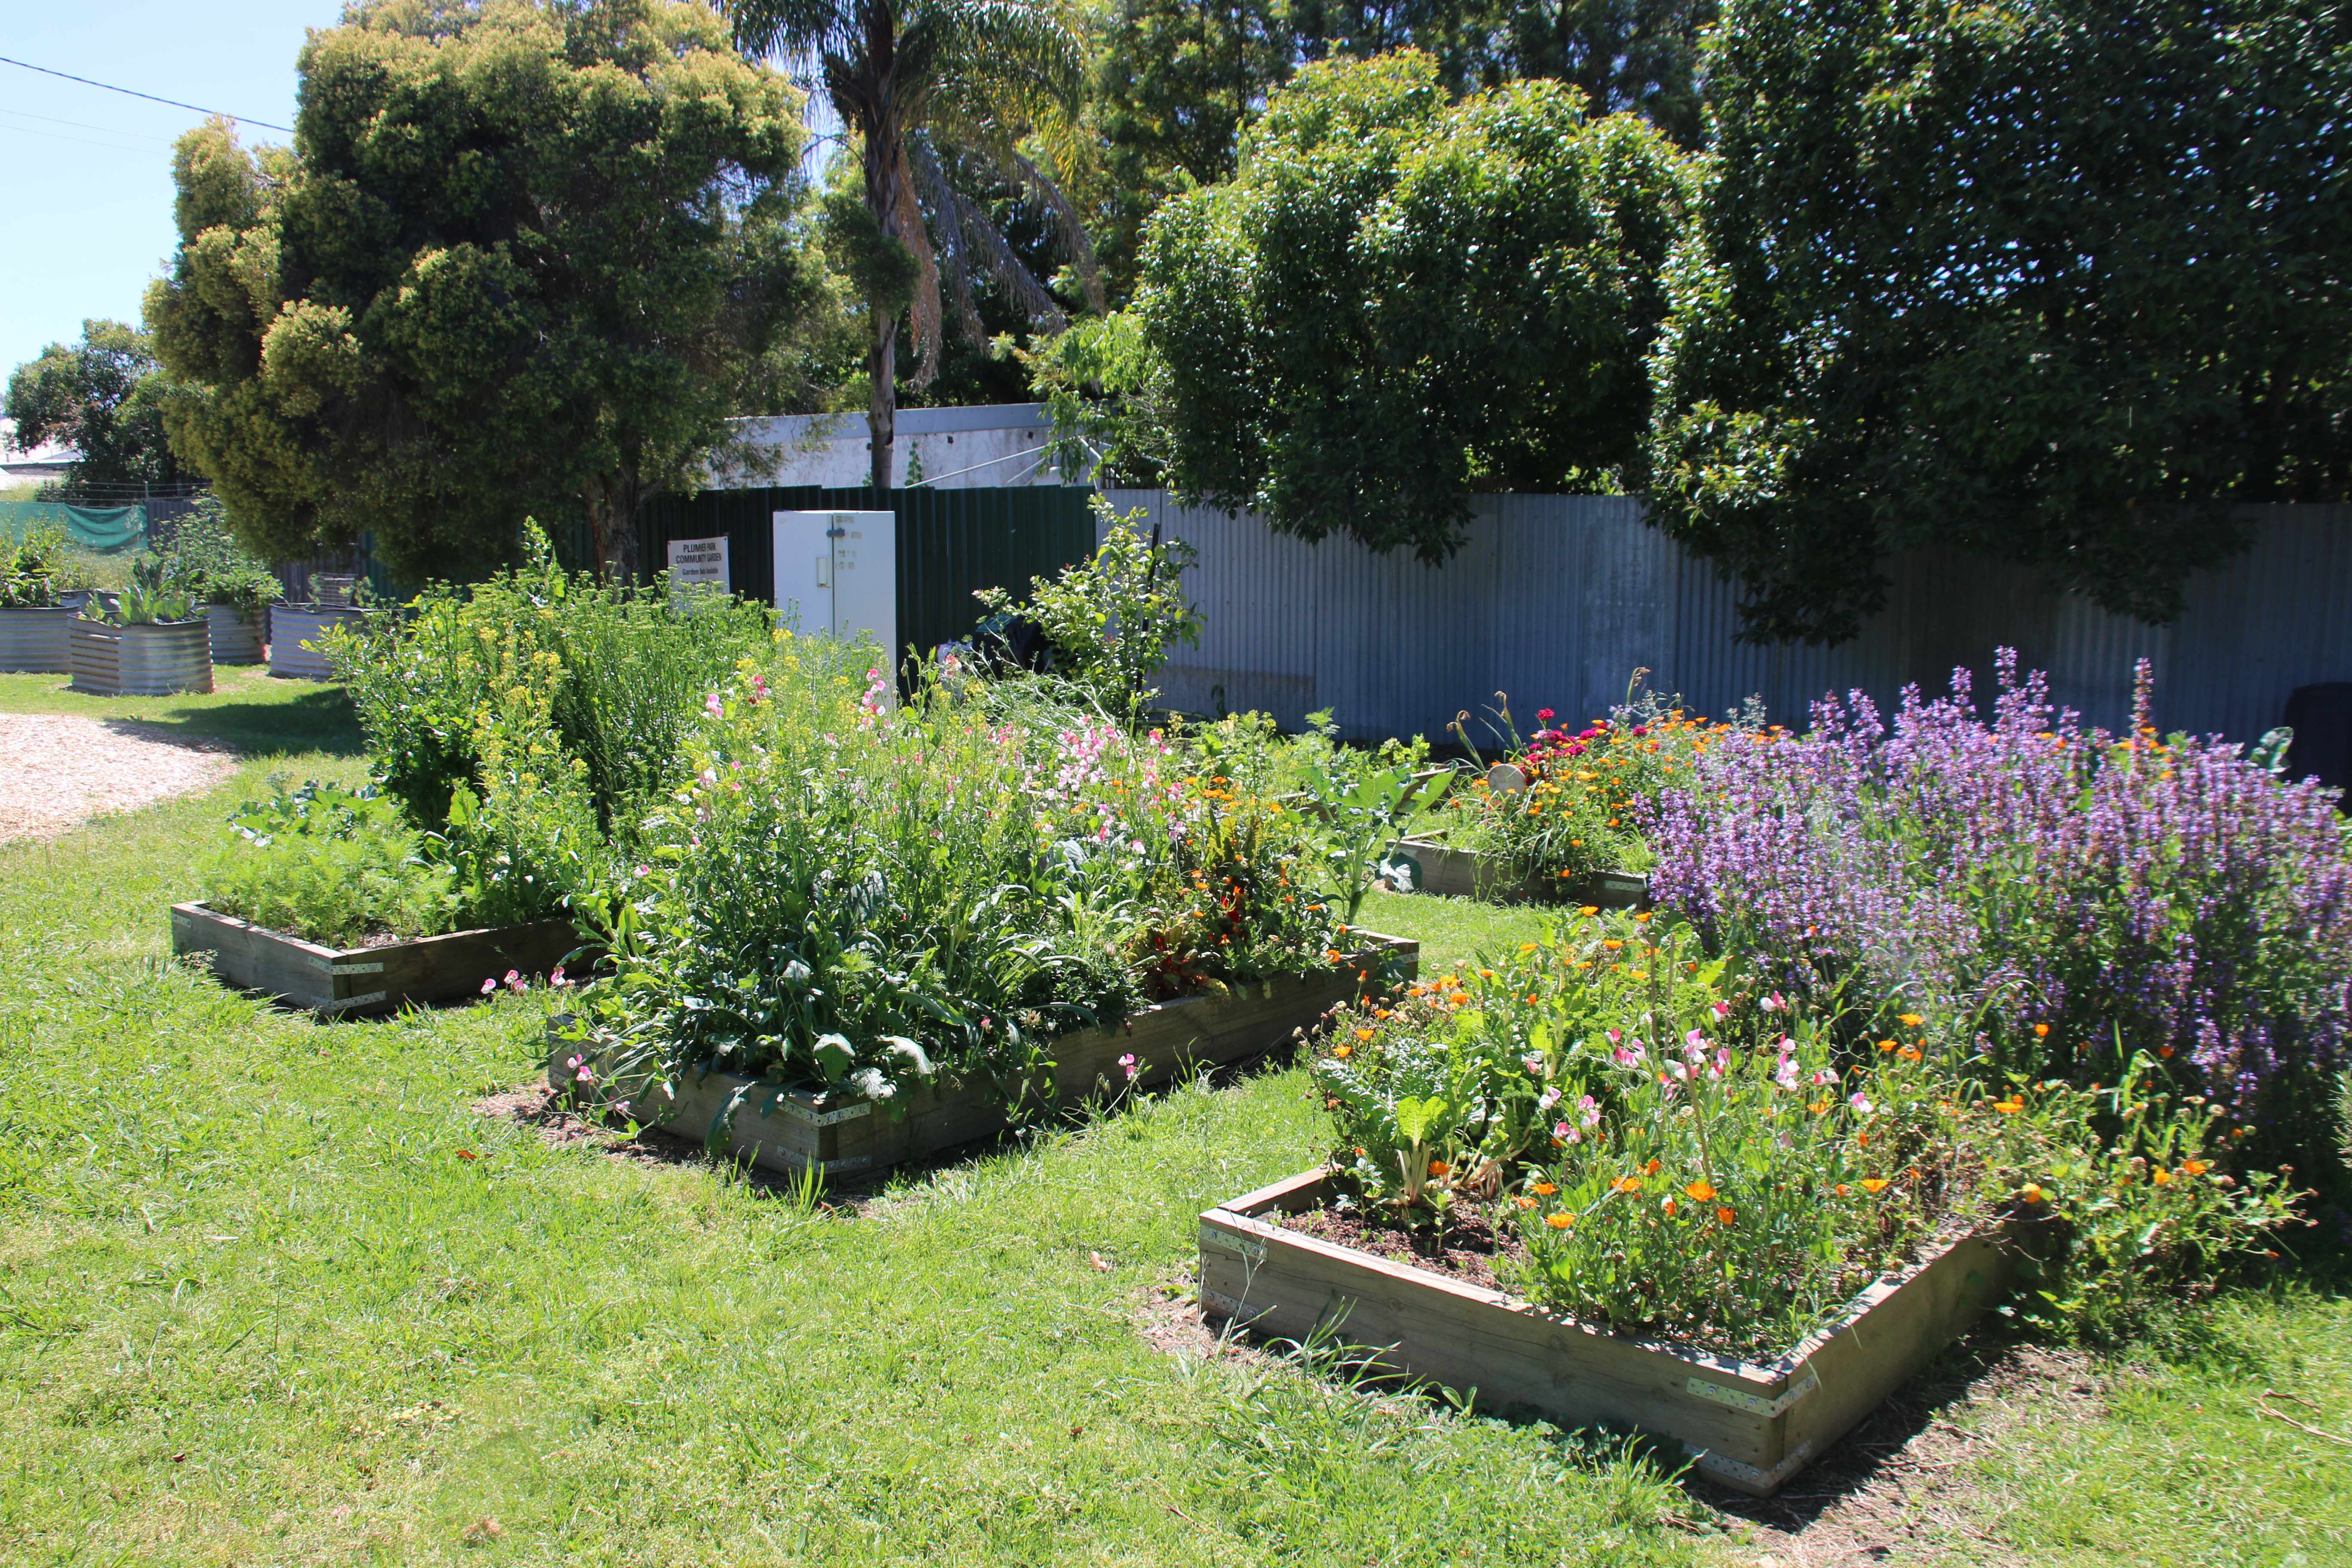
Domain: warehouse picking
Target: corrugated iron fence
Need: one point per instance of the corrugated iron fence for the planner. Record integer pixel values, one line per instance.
(951, 541)
(1556, 600)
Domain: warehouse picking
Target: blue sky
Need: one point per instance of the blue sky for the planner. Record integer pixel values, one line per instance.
(86, 176)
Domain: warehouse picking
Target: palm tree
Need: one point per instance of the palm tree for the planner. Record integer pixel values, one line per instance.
(926, 84)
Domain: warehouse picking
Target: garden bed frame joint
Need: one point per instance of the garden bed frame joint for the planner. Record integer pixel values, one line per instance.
(1754, 1404)
(1755, 1475)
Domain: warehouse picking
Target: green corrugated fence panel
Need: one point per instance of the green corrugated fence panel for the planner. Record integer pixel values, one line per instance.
(950, 542)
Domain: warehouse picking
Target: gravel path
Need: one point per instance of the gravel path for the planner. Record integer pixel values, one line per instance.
(57, 770)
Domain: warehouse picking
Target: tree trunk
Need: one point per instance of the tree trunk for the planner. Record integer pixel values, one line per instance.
(882, 418)
(612, 522)
(884, 157)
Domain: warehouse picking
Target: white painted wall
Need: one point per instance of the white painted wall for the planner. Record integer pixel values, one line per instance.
(993, 446)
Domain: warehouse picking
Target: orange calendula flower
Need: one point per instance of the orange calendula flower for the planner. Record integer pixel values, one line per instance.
(1527, 947)
(2031, 1192)
(1343, 1050)
(1909, 1053)
(1912, 1020)
(1613, 944)
(1589, 909)
(2196, 1167)
(1629, 1184)
(1545, 1189)
(1843, 1191)
(1439, 1167)
(1672, 1207)
(1558, 1221)
(1651, 1169)
(1818, 1106)
(1724, 1216)
(2009, 1107)
(1873, 1185)
(1700, 1190)
(1363, 1033)
(1887, 1044)
(2040, 1031)
(1382, 1013)
(1525, 1202)
(2161, 1176)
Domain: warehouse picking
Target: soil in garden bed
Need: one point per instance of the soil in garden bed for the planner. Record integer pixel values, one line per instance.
(1468, 1250)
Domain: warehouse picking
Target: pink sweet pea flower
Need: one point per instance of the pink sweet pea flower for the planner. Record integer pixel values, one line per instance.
(488, 987)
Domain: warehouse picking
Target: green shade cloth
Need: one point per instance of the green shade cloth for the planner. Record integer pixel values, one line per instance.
(101, 529)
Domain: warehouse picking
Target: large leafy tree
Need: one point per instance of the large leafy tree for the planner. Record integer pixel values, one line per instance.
(1398, 299)
(2053, 281)
(522, 256)
(102, 396)
(1171, 84)
(922, 86)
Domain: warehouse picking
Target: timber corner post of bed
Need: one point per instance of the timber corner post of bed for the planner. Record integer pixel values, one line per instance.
(362, 980)
(791, 1131)
(1751, 1426)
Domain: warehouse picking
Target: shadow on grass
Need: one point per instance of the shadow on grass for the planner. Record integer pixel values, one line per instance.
(559, 1122)
(320, 719)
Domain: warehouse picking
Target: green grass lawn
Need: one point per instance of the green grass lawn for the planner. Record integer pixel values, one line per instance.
(258, 1305)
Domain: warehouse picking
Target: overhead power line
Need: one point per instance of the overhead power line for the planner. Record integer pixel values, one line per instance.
(150, 97)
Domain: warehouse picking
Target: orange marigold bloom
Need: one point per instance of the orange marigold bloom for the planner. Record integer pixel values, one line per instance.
(1524, 1202)
(2010, 1106)
(1873, 1185)
(2040, 1031)
(1545, 1189)
(1672, 1207)
(1342, 1050)
(1887, 1044)
(1558, 1221)
(1911, 1020)
(1629, 1184)
(1363, 1033)
(1613, 944)
(2031, 1192)
(1845, 1191)
(2196, 1167)
(1651, 1169)
(1724, 1215)
(1700, 1190)
(1439, 1167)
(2161, 1176)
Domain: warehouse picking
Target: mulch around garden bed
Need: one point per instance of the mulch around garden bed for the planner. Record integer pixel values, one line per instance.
(1468, 1249)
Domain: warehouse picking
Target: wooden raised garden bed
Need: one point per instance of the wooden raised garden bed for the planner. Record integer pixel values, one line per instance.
(366, 979)
(142, 660)
(790, 1130)
(1752, 1426)
(1466, 874)
(36, 641)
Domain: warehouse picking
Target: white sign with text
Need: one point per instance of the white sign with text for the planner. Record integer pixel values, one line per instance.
(696, 562)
